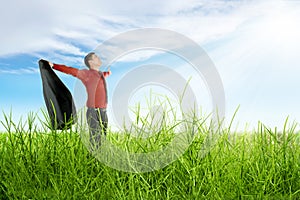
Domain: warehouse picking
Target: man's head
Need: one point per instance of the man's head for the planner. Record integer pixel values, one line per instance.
(92, 61)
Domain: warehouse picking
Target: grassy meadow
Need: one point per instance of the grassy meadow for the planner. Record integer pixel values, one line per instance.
(41, 164)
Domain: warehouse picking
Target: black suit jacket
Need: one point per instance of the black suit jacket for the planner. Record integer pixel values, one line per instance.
(58, 99)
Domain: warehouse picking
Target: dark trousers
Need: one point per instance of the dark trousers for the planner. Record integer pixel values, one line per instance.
(97, 121)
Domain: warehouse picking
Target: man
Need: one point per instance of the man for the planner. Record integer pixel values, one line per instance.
(94, 81)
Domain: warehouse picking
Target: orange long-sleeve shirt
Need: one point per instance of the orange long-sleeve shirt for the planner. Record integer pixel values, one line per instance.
(94, 82)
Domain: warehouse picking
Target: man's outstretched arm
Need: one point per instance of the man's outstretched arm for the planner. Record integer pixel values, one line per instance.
(65, 69)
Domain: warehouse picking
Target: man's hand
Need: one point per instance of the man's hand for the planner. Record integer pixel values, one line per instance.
(51, 64)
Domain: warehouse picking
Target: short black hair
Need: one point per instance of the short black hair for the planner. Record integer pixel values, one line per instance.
(87, 58)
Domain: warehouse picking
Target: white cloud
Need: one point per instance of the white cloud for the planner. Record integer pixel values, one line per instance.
(29, 70)
(37, 26)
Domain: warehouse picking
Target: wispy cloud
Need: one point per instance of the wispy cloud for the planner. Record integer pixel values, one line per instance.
(29, 70)
(96, 21)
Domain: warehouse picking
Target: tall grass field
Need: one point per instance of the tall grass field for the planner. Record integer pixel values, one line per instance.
(37, 163)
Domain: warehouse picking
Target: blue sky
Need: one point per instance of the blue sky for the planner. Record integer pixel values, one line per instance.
(253, 44)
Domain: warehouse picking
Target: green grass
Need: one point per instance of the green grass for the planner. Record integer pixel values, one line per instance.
(36, 164)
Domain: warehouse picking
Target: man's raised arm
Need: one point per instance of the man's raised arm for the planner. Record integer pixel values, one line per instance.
(65, 69)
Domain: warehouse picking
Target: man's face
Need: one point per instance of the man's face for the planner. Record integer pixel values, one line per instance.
(96, 60)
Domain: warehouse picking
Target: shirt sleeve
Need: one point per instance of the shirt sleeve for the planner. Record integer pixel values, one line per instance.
(65, 69)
